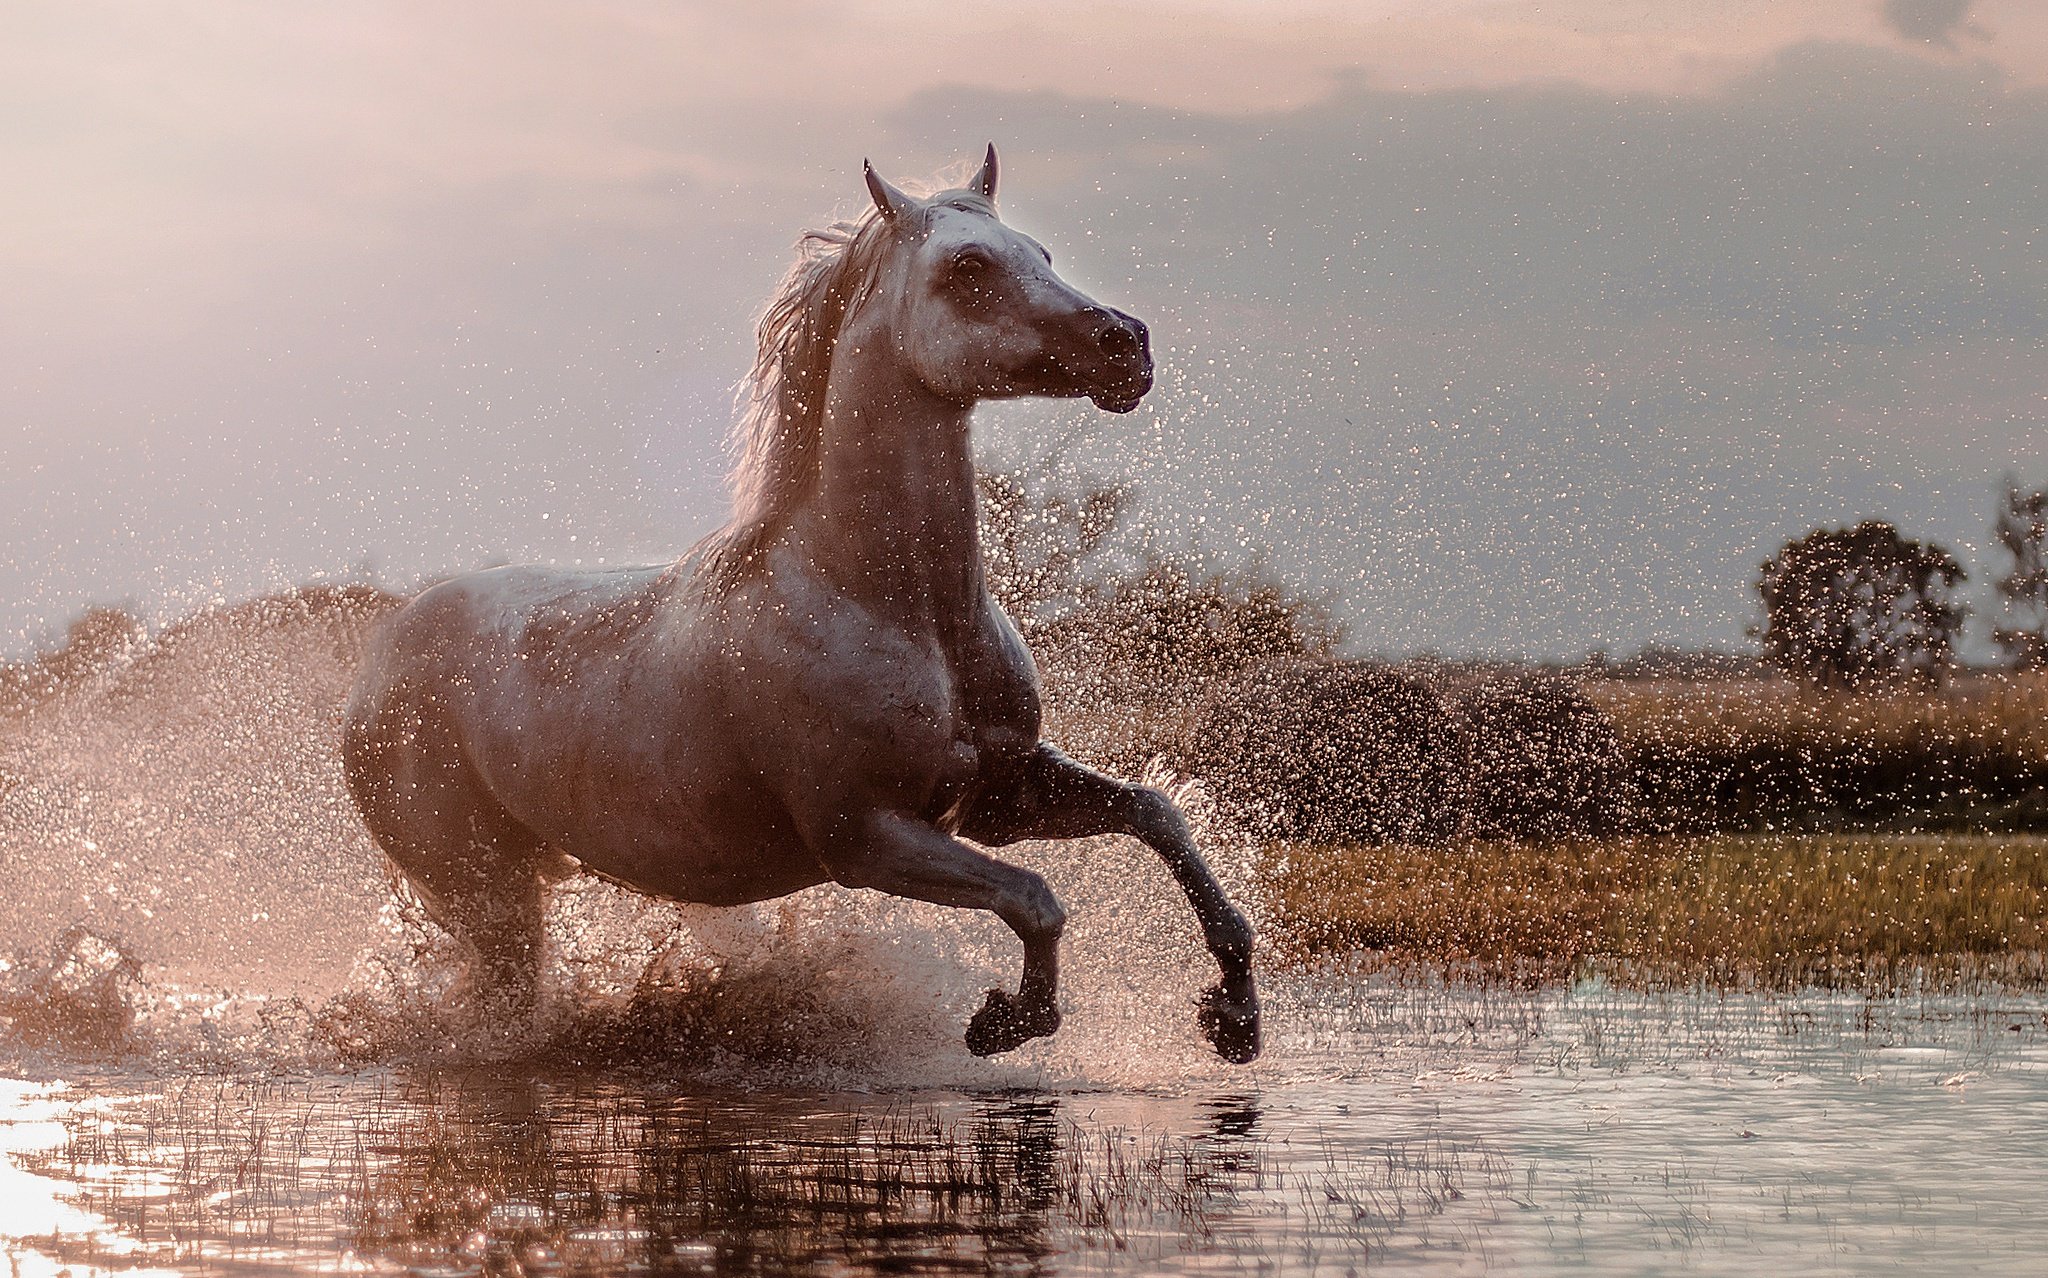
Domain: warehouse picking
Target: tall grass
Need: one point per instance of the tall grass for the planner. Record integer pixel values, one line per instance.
(1851, 908)
(1859, 910)
(2006, 712)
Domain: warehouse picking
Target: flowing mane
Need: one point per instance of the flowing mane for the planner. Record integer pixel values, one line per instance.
(783, 398)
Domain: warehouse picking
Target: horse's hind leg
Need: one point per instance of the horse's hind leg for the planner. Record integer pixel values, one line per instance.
(1053, 797)
(485, 889)
(475, 869)
(903, 856)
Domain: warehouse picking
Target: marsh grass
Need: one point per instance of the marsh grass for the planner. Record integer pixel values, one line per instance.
(1993, 711)
(468, 1175)
(1864, 911)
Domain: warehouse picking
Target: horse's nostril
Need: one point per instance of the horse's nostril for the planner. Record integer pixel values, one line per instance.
(1118, 339)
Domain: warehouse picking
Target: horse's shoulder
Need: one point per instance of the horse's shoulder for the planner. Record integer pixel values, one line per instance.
(998, 680)
(576, 622)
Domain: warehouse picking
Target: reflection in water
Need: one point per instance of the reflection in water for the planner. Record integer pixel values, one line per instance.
(466, 1174)
(1406, 1129)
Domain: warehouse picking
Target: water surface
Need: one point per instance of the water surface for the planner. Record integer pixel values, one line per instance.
(227, 1047)
(1396, 1127)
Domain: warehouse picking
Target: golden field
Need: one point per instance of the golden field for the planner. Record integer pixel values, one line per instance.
(1732, 909)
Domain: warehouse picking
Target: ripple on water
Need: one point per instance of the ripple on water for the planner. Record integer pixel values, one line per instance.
(1763, 1137)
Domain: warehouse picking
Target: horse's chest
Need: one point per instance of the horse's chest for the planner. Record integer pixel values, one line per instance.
(953, 724)
(995, 711)
(917, 711)
(993, 717)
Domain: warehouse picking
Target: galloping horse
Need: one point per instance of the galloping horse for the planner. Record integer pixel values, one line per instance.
(820, 691)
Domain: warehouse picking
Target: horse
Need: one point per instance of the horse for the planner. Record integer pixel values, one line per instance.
(820, 691)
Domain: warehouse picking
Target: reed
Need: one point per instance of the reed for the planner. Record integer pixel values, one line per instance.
(480, 1174)
(1774, 910)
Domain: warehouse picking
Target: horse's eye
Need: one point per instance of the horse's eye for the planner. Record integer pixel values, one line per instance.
(972, 262)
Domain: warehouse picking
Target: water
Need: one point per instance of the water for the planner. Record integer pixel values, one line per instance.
(1394, 1128)
(227, 1047)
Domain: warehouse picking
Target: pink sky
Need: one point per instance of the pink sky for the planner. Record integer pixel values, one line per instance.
(298, 286)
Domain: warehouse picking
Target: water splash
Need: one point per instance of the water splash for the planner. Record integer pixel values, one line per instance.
(190, 886)
(82, 1000)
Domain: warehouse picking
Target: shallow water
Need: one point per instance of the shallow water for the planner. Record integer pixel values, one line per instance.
(1395, 1127)
(226, 1047)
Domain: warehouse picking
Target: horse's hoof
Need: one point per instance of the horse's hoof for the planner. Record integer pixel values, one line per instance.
(1231, 1024)
(1006, 1022)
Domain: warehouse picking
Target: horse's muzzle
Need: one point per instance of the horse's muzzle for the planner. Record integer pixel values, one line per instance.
(1124, 346)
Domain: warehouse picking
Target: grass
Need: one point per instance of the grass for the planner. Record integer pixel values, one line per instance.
(1857, 910)
(2007, 713)
(462, 1174)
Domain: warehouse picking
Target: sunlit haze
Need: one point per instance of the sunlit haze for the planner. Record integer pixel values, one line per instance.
(1520, 329)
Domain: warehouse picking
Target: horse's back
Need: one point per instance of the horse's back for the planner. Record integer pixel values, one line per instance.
(590, 708)
(465, 651)
(457, 639)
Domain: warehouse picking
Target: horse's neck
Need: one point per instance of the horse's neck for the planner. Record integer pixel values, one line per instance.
(892, 519)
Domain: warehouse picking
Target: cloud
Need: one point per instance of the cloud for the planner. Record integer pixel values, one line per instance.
(1934, 21)
(1508, 365)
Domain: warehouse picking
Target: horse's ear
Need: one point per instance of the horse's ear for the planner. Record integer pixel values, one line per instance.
(888, 199)
(985, 180)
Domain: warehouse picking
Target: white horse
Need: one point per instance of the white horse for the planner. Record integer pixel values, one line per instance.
(822, 690)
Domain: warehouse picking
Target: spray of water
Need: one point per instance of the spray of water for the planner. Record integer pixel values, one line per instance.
(189, 885)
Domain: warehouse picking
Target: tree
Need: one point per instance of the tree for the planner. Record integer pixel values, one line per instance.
(1860, 607)
(1166, 624)
(2022, 531)
(1107, 612)
(1041, 537)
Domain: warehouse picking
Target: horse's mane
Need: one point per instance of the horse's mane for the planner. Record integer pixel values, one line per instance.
(782, 401)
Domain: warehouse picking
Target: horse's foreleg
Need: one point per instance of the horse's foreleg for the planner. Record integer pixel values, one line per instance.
(1054, 797)
(906, 857)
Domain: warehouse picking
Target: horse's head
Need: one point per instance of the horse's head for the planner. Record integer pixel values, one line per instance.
(984, 316)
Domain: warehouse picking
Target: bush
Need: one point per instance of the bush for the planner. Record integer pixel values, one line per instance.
(1757, 754)
(1348, 753)
(1112, 618)
(1542, 762)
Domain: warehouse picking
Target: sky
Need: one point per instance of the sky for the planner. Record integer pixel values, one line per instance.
(1514, 328)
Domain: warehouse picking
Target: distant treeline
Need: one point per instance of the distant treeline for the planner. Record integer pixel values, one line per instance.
(1854, 716)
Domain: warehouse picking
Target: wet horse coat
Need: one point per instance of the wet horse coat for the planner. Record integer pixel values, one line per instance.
(823, 690)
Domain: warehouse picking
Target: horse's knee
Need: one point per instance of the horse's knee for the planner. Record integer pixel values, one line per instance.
(1037, 911)
(1153, 816)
